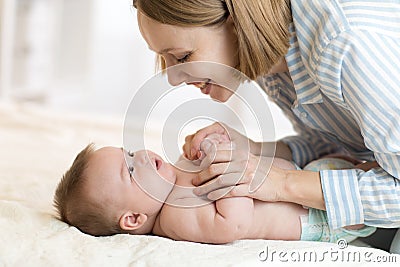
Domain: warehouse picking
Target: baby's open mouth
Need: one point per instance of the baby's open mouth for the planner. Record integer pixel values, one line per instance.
(158, 164)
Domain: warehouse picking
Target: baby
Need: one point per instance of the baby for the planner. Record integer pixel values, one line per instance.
(110, 191)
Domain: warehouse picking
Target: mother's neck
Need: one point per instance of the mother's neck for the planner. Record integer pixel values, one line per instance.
(281, 66)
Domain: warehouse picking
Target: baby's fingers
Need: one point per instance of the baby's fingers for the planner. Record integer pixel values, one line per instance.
(188, 146)
(200, 135)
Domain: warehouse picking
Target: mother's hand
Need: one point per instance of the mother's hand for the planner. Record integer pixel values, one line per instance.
(240, 173)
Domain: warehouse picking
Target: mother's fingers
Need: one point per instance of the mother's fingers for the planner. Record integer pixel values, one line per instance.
(225, 153)
(210, 148)
(220, 193)
(225, 162)
(217, 156)
(210, 172)
(241, 190)
(187, 146)
(218, 169)
(223, 181)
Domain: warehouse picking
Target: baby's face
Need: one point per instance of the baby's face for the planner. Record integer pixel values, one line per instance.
(144, 190)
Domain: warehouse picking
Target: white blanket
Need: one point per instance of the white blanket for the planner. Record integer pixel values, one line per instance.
(37, 147)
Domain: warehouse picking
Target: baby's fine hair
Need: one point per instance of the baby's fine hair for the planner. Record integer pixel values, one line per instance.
(262, 26)
(74, 207)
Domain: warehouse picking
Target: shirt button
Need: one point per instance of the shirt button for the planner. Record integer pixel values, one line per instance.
(303, 115)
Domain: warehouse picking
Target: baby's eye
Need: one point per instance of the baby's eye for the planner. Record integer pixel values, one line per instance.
(131, 169)
(128, 156)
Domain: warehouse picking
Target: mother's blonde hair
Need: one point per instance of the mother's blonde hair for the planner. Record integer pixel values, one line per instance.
(261, 26)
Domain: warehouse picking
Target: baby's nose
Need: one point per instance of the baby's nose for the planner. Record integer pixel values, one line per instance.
(140, 158)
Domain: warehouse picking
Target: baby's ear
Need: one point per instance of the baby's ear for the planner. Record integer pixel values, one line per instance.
(130, 221)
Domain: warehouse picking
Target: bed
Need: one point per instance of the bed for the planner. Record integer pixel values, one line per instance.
(38, 145)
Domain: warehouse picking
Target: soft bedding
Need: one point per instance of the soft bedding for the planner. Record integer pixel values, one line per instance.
(38, 145)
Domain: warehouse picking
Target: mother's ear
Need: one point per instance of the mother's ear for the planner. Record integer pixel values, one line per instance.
(130, 221)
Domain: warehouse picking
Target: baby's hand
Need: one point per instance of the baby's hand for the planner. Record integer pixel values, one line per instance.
(209, 146)
(210, 142)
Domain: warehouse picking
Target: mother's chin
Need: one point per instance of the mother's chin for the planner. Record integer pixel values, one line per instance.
(219, 93)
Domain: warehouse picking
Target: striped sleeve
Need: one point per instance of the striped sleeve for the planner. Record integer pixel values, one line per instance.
(308, 145)
(364, 65)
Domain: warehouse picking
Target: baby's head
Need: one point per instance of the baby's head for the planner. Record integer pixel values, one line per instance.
(105, 191)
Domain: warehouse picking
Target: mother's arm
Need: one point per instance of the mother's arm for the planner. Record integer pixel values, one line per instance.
(260, 178)
(369, 86)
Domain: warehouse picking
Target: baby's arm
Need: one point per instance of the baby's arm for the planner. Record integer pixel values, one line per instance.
(219, 222)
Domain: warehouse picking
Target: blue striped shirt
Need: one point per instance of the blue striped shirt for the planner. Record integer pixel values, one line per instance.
(342, 93)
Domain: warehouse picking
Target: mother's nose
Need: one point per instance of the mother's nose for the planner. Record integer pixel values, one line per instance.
(176, 74)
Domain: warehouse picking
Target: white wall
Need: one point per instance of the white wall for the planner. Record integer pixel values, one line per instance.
(102, 57)
(95, 56)
(6, 45)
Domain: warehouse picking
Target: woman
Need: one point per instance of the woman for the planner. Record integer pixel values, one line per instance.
(331, 66)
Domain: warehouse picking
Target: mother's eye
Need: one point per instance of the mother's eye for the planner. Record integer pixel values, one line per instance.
(184, 58)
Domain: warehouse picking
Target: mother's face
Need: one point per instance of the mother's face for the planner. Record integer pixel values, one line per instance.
(179, 45)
